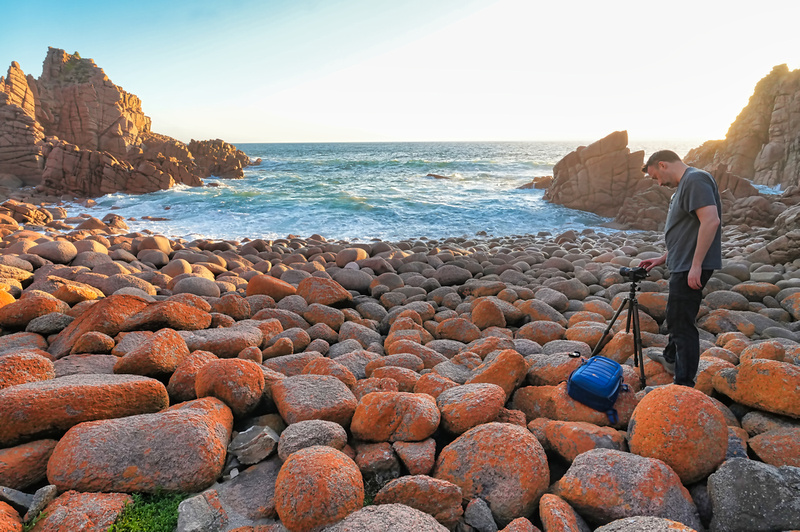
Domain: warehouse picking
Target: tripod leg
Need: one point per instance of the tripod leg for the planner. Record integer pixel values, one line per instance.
(625, 302)
(638, 356)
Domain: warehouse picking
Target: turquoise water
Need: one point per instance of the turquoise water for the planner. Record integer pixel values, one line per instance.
(369, 190)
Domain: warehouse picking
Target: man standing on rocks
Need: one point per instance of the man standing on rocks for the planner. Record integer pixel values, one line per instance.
(693, 235)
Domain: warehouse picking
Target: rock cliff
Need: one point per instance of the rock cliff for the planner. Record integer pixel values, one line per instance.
(763, 143)
(74, 131)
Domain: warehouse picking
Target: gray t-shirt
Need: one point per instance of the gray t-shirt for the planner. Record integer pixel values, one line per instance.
(696, 189)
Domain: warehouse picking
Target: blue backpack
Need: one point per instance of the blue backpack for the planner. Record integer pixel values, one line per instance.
(596, 384)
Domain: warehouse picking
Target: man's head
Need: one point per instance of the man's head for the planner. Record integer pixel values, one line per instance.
(666, 167)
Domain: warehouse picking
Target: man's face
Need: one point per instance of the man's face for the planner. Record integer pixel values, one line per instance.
(660, 172)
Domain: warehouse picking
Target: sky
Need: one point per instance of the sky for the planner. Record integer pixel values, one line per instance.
(420, 70)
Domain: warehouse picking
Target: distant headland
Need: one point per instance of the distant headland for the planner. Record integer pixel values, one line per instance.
(73, 131)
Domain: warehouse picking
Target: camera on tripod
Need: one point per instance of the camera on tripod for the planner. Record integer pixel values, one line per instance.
(634, 274)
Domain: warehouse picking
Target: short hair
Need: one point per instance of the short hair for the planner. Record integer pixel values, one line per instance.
(668, 156)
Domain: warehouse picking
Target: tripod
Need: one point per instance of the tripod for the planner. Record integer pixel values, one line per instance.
(633, 320)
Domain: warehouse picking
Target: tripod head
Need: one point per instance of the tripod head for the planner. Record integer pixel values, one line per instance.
(634, 275)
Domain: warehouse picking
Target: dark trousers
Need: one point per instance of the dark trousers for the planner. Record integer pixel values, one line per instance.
(683, 347)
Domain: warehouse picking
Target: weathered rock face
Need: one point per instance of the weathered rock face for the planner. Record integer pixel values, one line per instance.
(19, 132)
(762, 143)
(79, 104)
(219, 158)
(74, 131)
(598, 177)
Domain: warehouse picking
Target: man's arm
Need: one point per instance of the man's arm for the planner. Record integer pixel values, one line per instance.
(649, 264)
(709, 222)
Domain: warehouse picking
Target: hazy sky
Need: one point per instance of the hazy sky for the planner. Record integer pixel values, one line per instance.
(364, 70)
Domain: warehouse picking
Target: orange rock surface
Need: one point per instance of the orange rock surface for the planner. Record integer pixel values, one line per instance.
(435, 497)
(503, 464)
(395, 416)
(78, 511)
(506, 369)
(21, 367)
(682, 427)
(105, 316)
(25, 465)
(778, 447)
(467, 406)
(571, 438)
(180, 449)
(764, 384)
(36, 409)
(317, 486)
(236, 382)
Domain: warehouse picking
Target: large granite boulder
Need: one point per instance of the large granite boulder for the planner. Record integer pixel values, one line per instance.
(598, 177)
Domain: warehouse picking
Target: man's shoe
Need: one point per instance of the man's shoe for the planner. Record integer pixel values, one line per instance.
(659, 357)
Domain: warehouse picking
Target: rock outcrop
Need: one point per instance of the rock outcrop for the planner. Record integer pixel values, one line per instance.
(763, 143)
(598, 177)
(73, 131)
(606, 179)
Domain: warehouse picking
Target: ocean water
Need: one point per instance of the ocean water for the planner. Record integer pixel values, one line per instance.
(364, 191)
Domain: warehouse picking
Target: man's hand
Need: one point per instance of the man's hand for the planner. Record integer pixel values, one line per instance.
(694, 278)
(649, 264)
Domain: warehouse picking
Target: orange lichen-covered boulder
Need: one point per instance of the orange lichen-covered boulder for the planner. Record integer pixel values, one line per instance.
(418, 456)
(433, 384)
(721, 321)
(405, 378)
(180, 449)
(571, 438)
(181, 383)
(395, 416)
(770, 350)
(439, 498)
(557, 514)
(487, 313)
(323, 291)
(778, 447)
(303, 397)
(36, 409)
(369, 385)
(328, 366)
(428, 356)
(25, 465)
(506, 368)
(470, 405)
(541, 331)
(604, 485)
(502, 464)
(269, 286)
(236, 382)
(158, 355)
(458, 329)
(22, 367)
(31, 305)
(764, 384)
(682, 427)
(707, 368)
(82, 511)
(317, 486)
(553, 402)
(105, 316)
(551, 370)
(168, 314)
(9, 519)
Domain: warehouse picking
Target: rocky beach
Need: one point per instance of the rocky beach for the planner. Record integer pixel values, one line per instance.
(307, 383)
